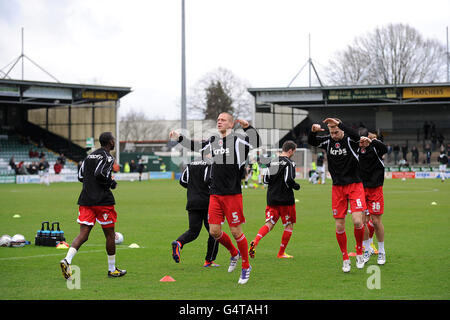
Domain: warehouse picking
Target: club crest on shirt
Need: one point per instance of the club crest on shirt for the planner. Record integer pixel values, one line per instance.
(363, 150)
(337, 145)
(105, 216)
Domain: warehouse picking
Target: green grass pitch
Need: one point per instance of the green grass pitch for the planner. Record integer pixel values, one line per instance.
(152, 214)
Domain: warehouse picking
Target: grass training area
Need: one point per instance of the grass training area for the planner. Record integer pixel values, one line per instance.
(152, 214)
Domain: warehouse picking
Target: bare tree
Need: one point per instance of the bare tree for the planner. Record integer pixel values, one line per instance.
(136, 126)
(393, 54)
(234, 87)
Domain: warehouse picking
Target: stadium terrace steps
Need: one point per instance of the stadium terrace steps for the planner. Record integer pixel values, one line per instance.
(13, 146)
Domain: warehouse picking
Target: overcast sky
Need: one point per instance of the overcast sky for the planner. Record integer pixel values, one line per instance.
(138, 43)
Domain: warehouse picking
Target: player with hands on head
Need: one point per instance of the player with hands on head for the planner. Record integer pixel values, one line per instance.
(371, 151)
(341, 147)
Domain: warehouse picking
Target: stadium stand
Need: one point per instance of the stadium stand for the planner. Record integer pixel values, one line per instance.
(53, 118)
(397, 112)
(13, 145)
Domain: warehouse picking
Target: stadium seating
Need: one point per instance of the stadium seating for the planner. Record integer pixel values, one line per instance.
(12, 145)
(411, 138)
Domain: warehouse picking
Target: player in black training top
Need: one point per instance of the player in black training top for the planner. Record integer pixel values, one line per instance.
(443, 161)
(341, 146)
(371, 153)
(229, 151)
(280, 177)
(195, 178)
(96, 204)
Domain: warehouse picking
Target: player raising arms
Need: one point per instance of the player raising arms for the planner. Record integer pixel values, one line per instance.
(229, 152)
(371, 152)
(341, 146)
(280, 176)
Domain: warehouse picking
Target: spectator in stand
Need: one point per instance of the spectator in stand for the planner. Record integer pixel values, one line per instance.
(133, 166)
(21, 168)
(440, 139)
(448, 149)
(433, 141)
(426, 130)
(403, 163)
(12, 164)
(389, 151)
(33, 154)
(62, 160)
(42, 155)
(405, 152)
(427, 151)
(415, 155)
(396, 150)
(57, 167)
(433, 129)
(32, 168)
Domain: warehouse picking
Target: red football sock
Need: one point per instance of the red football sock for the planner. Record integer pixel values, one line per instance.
(371, 228)
(261, 233)
(342, 241)
(359, 237)
(243, 249)
(285, 240)
(225, 240)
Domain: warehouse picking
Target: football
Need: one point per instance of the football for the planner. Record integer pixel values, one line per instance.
(119, 238)
(5, 241)
(17, 241)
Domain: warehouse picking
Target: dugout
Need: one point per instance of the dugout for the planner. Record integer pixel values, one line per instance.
(62, 116)
(398, 112)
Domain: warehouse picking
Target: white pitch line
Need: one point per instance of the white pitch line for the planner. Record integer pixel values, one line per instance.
(55, 254)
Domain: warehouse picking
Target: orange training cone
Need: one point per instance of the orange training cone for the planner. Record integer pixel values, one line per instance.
(167, 279)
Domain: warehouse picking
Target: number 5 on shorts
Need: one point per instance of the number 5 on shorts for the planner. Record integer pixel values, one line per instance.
(235, 217)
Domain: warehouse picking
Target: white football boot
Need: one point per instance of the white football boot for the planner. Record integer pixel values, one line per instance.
(381, 258)
(346, 265)
(233, 262)
(360, 261)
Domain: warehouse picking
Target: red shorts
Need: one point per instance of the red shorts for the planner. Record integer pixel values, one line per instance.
(105, 215)
(287, 214)
(341, 196)
(375, 200)
(226, 206)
